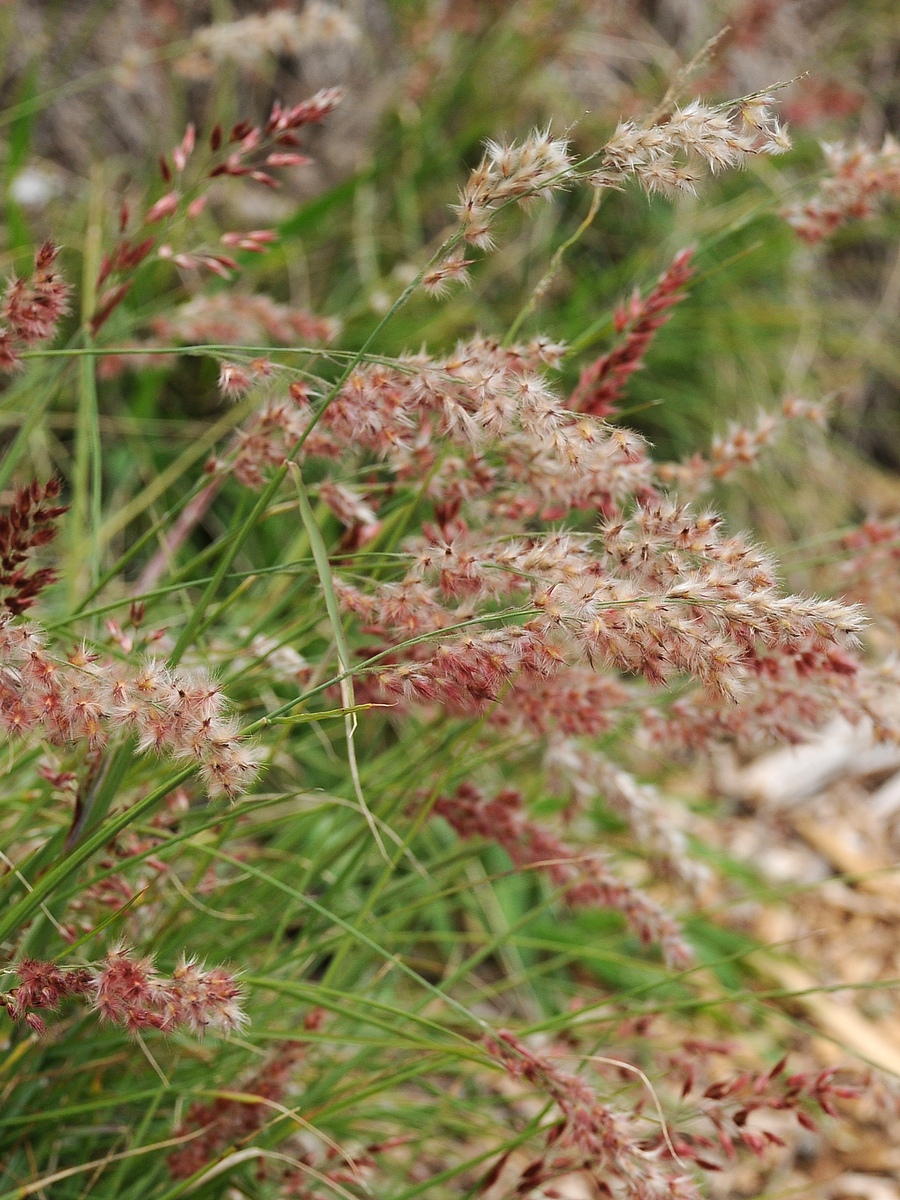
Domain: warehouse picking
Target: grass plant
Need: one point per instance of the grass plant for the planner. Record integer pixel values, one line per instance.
(344, 681)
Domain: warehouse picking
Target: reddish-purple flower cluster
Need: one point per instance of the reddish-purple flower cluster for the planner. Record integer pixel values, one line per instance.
(557, 633)
(130, 992)
(32, 307)
(859, 178)
(601, 384)
(84, 698)
(590, 1135)
(26, 525)
(585, 880)
(246, 151)
(728, 1105)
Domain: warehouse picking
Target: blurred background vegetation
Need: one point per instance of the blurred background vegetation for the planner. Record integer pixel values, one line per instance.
(94, 90)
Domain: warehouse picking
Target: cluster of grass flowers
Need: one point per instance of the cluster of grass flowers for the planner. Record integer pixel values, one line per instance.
(330, 862)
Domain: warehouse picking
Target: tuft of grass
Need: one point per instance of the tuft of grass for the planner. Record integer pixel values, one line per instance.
(379, 952)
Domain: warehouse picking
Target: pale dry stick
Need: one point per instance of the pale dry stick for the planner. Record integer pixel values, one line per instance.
(615, 1062)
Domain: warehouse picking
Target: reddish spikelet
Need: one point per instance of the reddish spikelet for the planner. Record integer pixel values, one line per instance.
(466, 675)
(9, 356)
(129, 992)
(740, 447)
(572, 701)
(453, 269)
(252, 143)
(287, 158)
(109, 302)
(203, 1000)
(31, 308)
(185, 148)
(589, 1135)
(602, 383)
(124, 258)
(234, 380)
(307, 112)
(362, 523)
(788, 696)
(268, 437)
(239, 319)
(868, 573)
(858, 179)
(27, 524)
(728, 1104)
(85, 698)
(249, 146)
(166, 206)
(347, 505)
(257, 241)
(44, 985)
(585, 879)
